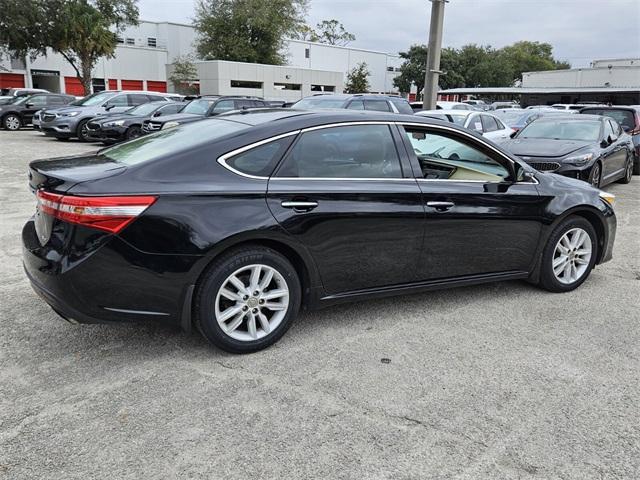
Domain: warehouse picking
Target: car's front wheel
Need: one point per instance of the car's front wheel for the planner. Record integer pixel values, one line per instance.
(247, 300)
(596, 175)
(569, 256)
(133, 132)
(628, 169)
(83, 131)
(11, 122)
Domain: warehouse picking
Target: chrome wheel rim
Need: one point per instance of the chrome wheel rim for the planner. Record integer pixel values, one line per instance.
(572, 256)
(629, 169)
(12, 123)
(252, 302)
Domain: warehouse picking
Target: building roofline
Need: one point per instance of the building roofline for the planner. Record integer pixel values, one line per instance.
(166, 23)
(539, 90)
(268, 65)
(613, 67)
(308, 42)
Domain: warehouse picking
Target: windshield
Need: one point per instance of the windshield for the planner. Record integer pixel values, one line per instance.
(587, 131)
(170, 141)
(315, 103)
(145, 108)
(94, 99)
(198, 107)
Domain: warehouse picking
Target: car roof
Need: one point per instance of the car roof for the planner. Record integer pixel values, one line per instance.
(444, 111)
(573, 117)
(347, 96)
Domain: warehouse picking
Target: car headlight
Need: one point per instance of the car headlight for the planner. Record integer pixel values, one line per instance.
(117, 123)
(69, 114)
(169, 125)
(610, 198)
(579, 160)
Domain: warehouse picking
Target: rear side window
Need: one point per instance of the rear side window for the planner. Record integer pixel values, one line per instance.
(356, 105)
(223, 106)
(489, 123)
(244, 104)
(353, 151)
(54, 100)
(402, 106)
(261, 160)
(137, 99)
(169, 109)
(377, 105)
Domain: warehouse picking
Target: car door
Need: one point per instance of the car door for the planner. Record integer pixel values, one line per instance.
(31, 106)
(478, 219)
(347, 194)
(613, 154)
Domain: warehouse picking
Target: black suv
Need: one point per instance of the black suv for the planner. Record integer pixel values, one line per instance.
(357, 101)
(206, 106)
(21, 110)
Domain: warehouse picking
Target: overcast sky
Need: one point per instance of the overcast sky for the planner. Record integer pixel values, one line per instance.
(579, 30)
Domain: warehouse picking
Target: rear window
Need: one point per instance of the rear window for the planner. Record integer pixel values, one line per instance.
(260, 161)
(623, 117)
(170, 141)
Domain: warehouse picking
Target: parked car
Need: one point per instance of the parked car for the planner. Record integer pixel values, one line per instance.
(485, 124)
(503, 105)
(524, 118)
(206, 106)
(19, 113)
(8, 94)
(479, 104)
(118, 127)
(569, 107)
(509, 116)
(71, 121)
(587, 147)
(268, 211)
(357, 101)
(442, 105)
(629, 119)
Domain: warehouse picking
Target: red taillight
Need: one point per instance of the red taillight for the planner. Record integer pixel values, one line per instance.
(110, 214)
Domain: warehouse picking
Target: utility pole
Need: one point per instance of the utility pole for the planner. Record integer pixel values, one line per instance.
(432, 74)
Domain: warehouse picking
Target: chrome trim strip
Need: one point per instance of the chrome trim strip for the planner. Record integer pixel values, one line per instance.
(359, 179)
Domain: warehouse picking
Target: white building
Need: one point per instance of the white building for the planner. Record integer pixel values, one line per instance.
(145, 50)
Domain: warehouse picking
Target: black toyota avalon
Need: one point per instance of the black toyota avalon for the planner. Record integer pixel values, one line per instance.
(235, 223)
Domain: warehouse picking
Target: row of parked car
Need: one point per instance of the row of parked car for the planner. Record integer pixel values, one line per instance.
(600, 145)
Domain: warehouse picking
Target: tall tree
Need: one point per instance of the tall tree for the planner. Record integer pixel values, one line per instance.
(82, 31)
(358, 79)
(412, 69)
(183, 71)
(333, 32)
(247, 30)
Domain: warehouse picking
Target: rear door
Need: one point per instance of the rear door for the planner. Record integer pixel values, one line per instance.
(478, 220)
(32, 105)
(348, 195)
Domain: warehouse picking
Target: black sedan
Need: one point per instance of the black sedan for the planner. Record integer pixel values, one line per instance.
(118, 127)
(233, 224)
(587, 147)
(19, 111)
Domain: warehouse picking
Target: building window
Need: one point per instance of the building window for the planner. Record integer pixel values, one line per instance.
(307, 52)
(245, 84)
(323, 88)
(119, 40)
(287, 86)
(389, 69)
(98, 84)
(151, 42)
(130, 41)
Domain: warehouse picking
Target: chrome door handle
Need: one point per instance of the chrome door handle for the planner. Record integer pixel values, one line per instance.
(440, 206)
(300, 205)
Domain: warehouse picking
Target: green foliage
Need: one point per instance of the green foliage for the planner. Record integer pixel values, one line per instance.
(358, 79)
(333, 32)
(478, 65)
(183, 71)
(247, 30)
(82, 31)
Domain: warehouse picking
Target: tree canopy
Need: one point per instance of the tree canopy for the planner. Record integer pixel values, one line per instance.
(246, 30)
(82, 31)
(477, 65)
(183, 71)
(358, 79)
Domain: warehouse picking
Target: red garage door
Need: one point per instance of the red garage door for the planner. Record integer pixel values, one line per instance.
(72, 86)
(113, 84)
(11, 80)
(131, 84)
(153, 86)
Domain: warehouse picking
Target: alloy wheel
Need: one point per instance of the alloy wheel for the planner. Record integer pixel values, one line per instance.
(12, 122)
(629, 171)
(572, 256)
(595, 175)
(252, 302)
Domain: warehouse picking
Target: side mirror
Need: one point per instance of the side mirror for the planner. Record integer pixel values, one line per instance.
(108, 107)
(513, 134)
(612, 139)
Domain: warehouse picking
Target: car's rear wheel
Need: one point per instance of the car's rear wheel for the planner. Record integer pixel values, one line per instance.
(83, 131)
(247, 300)
(569, 256)
(596, 175)
(11, 122)
(628, 169)
(133, 132)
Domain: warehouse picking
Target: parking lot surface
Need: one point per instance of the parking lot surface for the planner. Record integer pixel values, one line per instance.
(501, 381)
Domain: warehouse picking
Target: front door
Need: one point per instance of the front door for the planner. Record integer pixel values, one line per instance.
(478, 220)
(350, 198)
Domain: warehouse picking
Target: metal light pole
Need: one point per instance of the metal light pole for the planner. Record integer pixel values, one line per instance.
(432, 74)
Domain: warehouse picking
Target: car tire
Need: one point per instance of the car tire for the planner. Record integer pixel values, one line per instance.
(595, 176)
(628, 170)
(82, 132)
(133, 131)
(566, 264)
(636, 165)
(239, 320)
(11, 122)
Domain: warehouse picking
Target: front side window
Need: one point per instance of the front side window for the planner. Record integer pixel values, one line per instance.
(38, 100)
(445, 157)
(489, 123)
(198, 107)
(350, 151)
(119, 101)
(169, 109)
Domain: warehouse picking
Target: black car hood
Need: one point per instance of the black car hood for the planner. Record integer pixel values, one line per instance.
(179, 116)
(543, 147)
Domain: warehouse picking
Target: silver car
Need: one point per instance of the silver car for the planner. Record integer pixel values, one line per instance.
(71, 121)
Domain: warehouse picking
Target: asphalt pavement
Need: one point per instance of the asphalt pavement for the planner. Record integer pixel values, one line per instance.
(500, 381)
